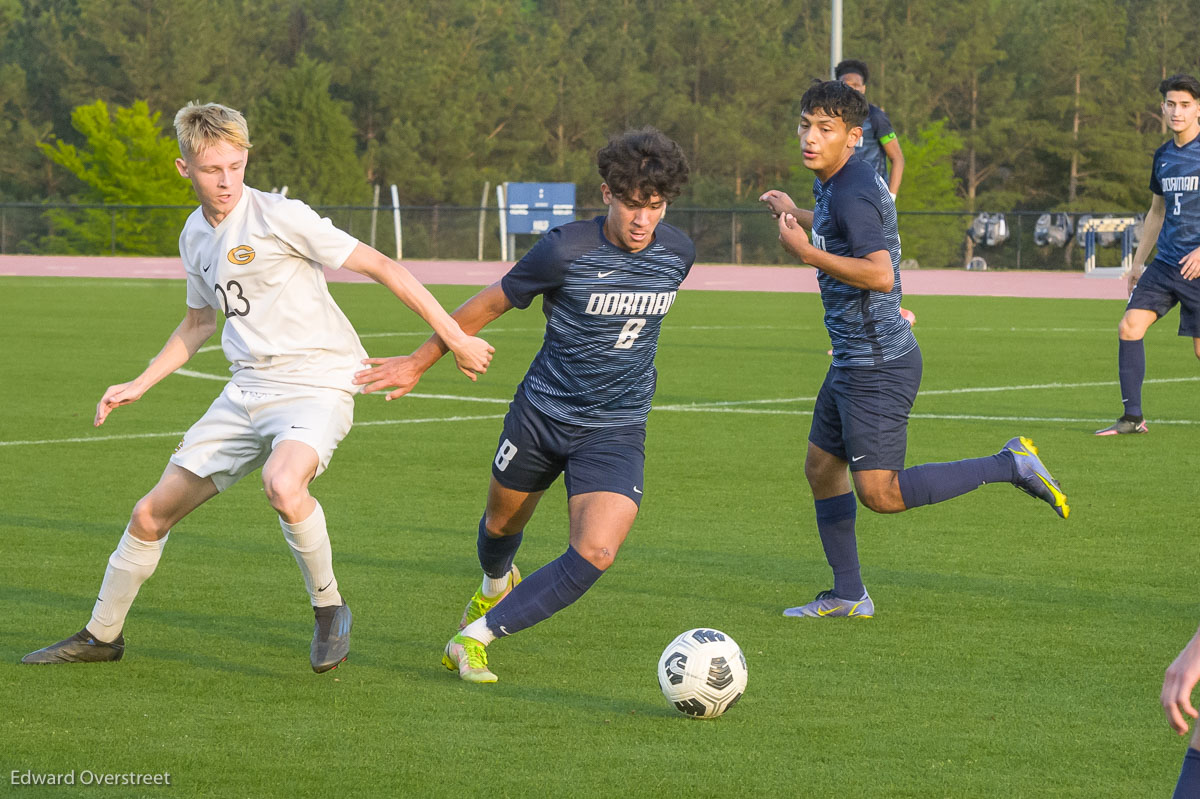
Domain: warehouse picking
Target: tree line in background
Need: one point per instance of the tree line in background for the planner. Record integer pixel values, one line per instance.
(1001, 105)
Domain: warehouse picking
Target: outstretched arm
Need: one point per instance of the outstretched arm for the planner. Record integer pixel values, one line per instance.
(402, 372)
(196, 328)
(1180, 679)
(471, 354)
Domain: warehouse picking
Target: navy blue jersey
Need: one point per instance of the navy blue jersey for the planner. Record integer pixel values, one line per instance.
(877, 131)
(1175, 176)
(855, 216)
(603, 308)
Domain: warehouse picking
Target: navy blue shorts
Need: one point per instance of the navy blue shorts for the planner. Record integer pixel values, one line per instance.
(861, 415)
(535, 448)
(1160, 288)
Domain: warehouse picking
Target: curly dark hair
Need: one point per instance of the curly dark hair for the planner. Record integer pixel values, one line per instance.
(836, 99)
(855, 66)
(1180, 83)
(638, 164)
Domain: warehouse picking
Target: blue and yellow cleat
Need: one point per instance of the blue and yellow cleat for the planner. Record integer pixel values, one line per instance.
(1034, 478)
(828, 606)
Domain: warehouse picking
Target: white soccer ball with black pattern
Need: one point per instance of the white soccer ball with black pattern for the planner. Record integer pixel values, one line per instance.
(702, 673)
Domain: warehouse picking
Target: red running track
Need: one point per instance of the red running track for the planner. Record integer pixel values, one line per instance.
(703, 277)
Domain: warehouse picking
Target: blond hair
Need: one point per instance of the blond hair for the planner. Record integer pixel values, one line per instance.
(199, 127)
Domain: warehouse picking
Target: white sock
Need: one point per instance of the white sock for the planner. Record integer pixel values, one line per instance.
(309, 541)
(492, 587)
(478, 630)
(130, 565)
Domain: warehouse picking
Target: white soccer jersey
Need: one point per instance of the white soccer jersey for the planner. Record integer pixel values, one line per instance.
(262, 268)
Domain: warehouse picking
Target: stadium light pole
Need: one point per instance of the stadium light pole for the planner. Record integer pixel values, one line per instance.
(835, 38)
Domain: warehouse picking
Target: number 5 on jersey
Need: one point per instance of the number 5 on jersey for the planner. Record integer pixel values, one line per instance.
(629, 334)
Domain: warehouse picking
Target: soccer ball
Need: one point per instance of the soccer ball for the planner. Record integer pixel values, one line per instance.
(702, 673)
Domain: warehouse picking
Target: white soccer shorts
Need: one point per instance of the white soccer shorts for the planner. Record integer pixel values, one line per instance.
(241, 428)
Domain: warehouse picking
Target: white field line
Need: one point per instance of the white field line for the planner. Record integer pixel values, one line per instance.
(179, 434)
(731, 406)
(943, 416)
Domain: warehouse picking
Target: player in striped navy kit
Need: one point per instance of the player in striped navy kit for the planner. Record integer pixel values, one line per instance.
(861, 416)
(1173, 224)
(581, 409)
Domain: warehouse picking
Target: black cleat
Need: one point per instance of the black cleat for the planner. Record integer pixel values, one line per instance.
(82, 647)
(331, 637)
(1124, 426)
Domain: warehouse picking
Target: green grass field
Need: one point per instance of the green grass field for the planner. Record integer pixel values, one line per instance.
(1013, 654)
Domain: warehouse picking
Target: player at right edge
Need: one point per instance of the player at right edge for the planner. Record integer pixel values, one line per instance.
(1173, 225)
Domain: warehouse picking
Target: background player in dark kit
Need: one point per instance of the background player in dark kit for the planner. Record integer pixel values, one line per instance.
(1173, 225)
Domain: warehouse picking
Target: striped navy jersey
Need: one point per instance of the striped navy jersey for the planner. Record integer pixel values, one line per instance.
(1176, 177)
(603, 308)
(877, 131)
(855, 216)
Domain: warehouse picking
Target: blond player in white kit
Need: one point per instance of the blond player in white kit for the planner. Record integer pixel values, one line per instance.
(258, 259)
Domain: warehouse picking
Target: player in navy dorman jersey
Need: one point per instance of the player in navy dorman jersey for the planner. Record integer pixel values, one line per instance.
(1173, 224)
(878, 145)
(861, 416)
(581, 409)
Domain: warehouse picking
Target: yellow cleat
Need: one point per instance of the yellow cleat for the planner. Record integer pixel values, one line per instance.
(480, 604)
(1034, 478)
(469, 658)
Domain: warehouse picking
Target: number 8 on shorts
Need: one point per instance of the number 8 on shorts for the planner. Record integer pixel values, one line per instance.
(505, 454)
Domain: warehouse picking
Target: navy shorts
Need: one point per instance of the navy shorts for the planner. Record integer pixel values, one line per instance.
(535, 448)
(1160, 288)
(861, 415)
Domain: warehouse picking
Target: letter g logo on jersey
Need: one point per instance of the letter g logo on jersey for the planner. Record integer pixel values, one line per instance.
(241, 254)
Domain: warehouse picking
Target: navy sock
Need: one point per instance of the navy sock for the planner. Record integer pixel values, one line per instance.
(1131, 365)
(543, 593)
(937, 482)
(1188, 786)
(496, 554)
(835, 523)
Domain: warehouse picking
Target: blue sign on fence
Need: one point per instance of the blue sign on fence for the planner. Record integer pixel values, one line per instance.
(537, 207)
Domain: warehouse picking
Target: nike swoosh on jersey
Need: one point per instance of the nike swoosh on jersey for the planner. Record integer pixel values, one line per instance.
(605, 274)
(856, 460)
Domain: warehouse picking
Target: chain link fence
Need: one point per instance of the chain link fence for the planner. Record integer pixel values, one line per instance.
(722, 235)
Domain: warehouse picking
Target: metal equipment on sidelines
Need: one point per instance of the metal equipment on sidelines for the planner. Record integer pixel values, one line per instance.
(1124, 226)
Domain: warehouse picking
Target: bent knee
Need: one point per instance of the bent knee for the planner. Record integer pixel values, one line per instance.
(1132, 328)
(287, 496)
(500, 528)
(599, 556)
(145, 523)
(881, 500)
